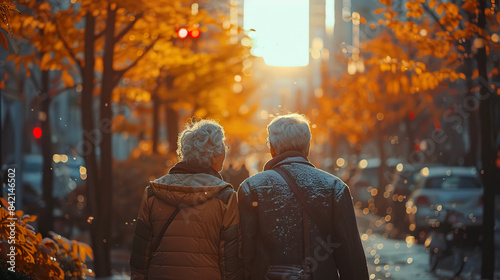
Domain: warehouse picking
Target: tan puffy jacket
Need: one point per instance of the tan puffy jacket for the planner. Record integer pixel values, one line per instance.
(202, 241)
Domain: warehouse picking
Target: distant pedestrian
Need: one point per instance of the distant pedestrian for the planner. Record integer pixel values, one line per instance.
(298, 221)
(188, 224)
(228, 174)
(243, 174)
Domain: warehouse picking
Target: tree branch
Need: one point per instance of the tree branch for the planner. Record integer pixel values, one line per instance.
(61, 90)
(100, 33)
(34, 81)
(434, 16)
(127, 28)
(68, 49)
(119, 73)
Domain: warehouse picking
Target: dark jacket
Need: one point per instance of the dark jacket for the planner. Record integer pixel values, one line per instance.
(203, 240)
(271, 221)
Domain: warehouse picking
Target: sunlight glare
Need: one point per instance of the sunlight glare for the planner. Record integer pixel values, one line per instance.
(281, 33)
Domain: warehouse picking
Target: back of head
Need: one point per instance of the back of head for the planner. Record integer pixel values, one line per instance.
(200, 142)
(289, 133)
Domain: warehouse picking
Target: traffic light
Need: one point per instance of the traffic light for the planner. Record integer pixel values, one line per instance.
(195, 33)
(37, 132)
(183, 33)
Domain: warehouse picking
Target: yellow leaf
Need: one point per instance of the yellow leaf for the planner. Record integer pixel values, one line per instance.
(440, 9)
(378, 11)
(67, 79)
(45, 60)
(98, 64)
(432, 4)
(363, 20)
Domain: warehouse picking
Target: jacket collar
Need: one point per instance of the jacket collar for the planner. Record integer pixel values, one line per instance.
(287, 157)
(183, 167)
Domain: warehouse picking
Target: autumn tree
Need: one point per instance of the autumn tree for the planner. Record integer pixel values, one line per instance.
(469, 31)
(7, 10)
(101, 41)
(435, 45)
(406, 68)
(41, 62)
(205, 80)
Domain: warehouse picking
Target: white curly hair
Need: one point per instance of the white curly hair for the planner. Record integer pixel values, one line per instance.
(289, 133)
(200, 142)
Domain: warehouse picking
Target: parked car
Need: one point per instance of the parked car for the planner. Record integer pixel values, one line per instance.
(450, 187)
(365, 183)
(403, 184)
(66, 176)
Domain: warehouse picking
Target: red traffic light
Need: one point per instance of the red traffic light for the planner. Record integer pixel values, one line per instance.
(182, 33)
(37, 132)
(195, 33)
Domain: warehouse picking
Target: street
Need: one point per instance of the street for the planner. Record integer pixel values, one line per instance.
(404, 259)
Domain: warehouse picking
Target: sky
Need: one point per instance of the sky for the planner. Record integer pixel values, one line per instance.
(281, 34)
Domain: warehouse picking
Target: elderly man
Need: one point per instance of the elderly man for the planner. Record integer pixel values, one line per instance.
(297, 221)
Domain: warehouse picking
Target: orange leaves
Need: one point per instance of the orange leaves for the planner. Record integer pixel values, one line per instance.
(414, 9)
(42, 258)
(386, 2)
(44, 62)
(432, 3)
(67, 79)
(470, 6)
(98, 65)
(440, 9)
(3, 41)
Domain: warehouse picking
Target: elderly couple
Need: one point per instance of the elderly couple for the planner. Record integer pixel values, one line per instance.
(291, 221)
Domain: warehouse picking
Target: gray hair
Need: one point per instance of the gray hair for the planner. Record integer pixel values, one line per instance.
(200, 142)
(289, 133)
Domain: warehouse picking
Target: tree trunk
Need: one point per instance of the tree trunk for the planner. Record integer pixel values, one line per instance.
(156, 120)
(105, 192)
(172, 128)
(487, 156)
(471, 155)
(91, 139)
(46, 222)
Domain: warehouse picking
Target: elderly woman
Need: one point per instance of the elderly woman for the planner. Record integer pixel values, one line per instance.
(188, 224)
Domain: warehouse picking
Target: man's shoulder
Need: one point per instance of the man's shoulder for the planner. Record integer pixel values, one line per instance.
(270, 177)
(332, 181)
(263, 178)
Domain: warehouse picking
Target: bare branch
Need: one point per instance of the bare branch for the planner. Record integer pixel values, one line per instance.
(100, 33)
(61, 90)
(67, 47)
(127, 28)
(34, 81)
(434, 16)
(119, 73)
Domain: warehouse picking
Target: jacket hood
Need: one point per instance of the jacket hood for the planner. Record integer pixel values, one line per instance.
(186, 190)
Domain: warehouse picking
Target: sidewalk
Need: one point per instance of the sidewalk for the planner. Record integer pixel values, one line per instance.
(405, 260)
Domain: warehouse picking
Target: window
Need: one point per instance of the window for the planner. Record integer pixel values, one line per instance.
(452, 183)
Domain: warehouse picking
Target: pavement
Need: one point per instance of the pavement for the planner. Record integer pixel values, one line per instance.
(405, 259)
(388, 258)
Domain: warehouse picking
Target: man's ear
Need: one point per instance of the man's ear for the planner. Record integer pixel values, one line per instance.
(273, 152)
(307, 152)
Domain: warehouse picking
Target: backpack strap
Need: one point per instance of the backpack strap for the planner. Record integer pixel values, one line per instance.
(316, 218)
(165, 226)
